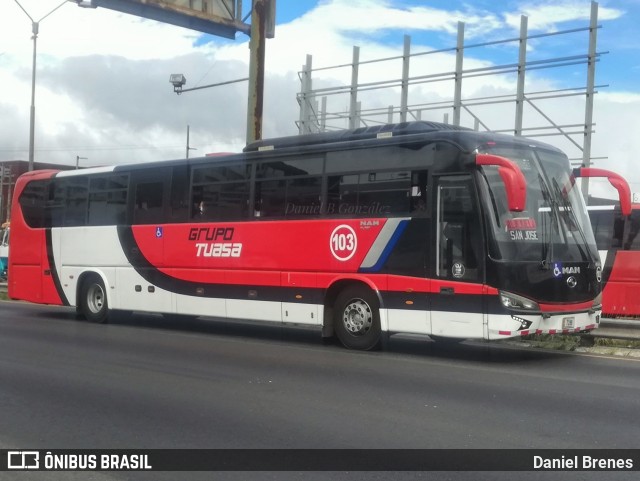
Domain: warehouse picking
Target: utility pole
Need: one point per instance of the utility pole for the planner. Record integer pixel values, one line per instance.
(189, 148)
(257, 47)
(262, 27)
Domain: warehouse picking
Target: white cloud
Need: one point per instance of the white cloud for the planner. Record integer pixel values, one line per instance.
(72, 31)
(547, 15)
(370, 16)
(617, 125)
(103, 89)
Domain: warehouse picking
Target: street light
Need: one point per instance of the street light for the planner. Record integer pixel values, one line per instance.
(178, 81)
(32, 119)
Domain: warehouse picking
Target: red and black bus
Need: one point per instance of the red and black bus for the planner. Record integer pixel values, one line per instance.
(417, 227)
(619, 246)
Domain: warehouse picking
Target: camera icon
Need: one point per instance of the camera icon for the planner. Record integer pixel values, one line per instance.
(23, 460)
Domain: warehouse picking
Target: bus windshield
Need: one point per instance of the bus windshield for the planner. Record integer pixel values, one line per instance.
(555, 223)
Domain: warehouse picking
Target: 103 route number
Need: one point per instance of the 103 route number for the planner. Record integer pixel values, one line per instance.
(343, 242)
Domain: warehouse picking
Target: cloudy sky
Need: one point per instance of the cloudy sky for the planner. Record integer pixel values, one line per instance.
(103, 89)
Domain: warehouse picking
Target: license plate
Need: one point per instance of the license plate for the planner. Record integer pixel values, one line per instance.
(568, 322)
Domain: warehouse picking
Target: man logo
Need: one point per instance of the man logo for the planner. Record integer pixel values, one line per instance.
(572, 282)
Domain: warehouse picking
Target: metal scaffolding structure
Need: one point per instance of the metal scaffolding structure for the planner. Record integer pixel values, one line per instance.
(323, 108)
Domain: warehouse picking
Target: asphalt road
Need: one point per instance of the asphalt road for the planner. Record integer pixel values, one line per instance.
(150, 382)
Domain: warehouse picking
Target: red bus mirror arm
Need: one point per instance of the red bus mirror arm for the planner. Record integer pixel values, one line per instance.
(514, 182)
(621, 185)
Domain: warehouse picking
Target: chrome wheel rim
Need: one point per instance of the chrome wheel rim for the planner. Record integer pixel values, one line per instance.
(95, 298)
(357, 317)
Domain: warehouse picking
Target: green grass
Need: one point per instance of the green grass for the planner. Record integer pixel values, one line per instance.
(571, 343)
(4, 296)
(627, 343)
(561, 343)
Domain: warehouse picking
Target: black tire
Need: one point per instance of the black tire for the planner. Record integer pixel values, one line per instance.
(357, 319)
(93, 300)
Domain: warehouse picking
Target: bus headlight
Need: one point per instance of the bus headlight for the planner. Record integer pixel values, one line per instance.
(514, 301)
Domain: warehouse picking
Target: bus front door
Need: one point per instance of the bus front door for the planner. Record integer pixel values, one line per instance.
(457, 307)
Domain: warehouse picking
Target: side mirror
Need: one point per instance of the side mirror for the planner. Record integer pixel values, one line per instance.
(514, 182)
(616, 180)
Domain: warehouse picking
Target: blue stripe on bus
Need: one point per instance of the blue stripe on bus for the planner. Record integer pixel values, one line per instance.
(402, 225)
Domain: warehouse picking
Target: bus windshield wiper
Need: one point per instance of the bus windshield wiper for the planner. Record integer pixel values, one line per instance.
(547, 230)
(567, 208)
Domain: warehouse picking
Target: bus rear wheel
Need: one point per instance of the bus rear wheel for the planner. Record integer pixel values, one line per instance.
(93, 300)
(357, 319)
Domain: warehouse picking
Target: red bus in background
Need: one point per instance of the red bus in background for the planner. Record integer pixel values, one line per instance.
(417, 227)
(618, 240)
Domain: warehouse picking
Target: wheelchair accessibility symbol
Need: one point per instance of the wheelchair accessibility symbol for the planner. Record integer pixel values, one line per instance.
(158, 232)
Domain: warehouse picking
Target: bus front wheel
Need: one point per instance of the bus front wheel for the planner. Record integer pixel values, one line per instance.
(357, 319)
(93, 300)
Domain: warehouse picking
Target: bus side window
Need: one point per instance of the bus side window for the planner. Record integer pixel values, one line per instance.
(370, 194)
(220, 192)
(148, 203)
(303, 196)
(419, 193)
(32, 202)
(342, 194)
(270, 198)
(107, 200)
(179, 194)
(54, 209)
(75, 213)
